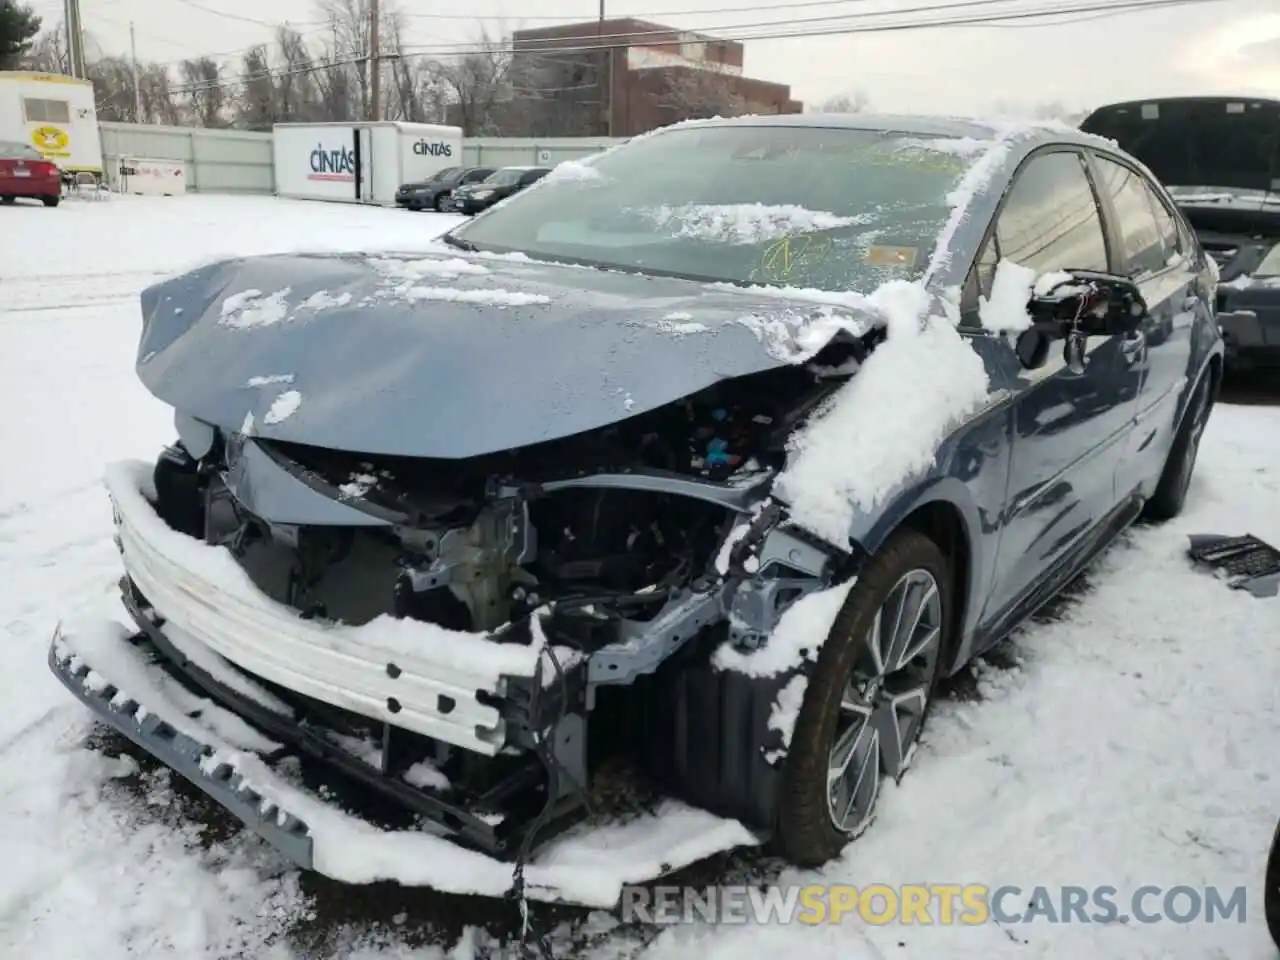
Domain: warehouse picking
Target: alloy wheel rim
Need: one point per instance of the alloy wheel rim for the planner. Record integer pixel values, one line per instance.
(883, 703)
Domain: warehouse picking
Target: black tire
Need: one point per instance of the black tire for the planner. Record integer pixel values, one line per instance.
(1271, 889)
(1171, 492)
(50, 201)
(8, 201)
(807, 834)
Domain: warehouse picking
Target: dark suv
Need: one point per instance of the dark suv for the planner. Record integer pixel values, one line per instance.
(436, 192)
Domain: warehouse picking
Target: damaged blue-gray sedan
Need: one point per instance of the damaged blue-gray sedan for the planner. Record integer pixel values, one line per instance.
(642, 516)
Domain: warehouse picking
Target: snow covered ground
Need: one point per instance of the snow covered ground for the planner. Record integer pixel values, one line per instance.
(1131, 744)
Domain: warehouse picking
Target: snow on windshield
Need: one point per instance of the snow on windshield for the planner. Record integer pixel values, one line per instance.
(831, 209)
(744, 223)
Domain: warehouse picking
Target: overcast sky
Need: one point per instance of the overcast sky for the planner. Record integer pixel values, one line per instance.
(1206, 46)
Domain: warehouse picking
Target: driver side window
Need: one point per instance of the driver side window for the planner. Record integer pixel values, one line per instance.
(1049, 222)
(1050, 219)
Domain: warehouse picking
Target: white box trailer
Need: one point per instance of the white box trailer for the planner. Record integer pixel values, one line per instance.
(55, 114)
(359, 162)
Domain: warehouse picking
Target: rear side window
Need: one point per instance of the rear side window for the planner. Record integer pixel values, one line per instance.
(46, 111)
(1141, 237)
(1166, 223)
(474, 176)
(531, 176)
(1050, 218)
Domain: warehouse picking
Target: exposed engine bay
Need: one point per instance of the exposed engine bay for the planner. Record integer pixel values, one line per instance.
(640, 547)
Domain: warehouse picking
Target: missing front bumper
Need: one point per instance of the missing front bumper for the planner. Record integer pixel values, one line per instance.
(123, 680)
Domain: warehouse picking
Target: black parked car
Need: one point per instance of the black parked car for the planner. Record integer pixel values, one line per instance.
(436, 192)
(477, 197)
(1218, 157)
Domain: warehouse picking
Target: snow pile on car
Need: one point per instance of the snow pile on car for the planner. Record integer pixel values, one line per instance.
(887, 424)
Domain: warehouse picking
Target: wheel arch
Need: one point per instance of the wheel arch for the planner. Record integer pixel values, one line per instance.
(943, 523)
(947, 515)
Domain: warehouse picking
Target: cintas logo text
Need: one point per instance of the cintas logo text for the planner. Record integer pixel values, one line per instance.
(424, 148)
(338, 164)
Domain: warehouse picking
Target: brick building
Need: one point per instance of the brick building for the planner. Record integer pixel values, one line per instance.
(623, 77)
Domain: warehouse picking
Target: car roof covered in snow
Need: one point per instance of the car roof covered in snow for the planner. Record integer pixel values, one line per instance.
(1033, 132)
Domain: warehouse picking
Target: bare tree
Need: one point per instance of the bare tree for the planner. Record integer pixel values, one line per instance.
(204, 91)
(159, 103)
(255, 106)
(48, 53)
(699, 94)
(350, 29)
(556, 95)
(113, 89)
(417, 92)
(479, 85)
(297, 97)
(855, 102)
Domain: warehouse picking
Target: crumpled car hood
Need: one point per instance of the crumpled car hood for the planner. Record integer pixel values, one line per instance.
(448, 355)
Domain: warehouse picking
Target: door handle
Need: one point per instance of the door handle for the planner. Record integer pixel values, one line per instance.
(1131, 346)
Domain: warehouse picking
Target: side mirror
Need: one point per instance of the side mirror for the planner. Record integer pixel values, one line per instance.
(1082, 303)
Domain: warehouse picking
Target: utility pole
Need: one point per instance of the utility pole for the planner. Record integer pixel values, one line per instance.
(375, 63)
(608, 52)
(133, 62)
(75, 38)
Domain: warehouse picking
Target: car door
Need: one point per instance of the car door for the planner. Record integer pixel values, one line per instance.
(364, 164)
(1159, 255)
(528, 177)
(1069, 423)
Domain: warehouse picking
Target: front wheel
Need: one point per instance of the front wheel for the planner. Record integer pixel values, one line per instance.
(866, 699)
(50, 201)
(1271, 889)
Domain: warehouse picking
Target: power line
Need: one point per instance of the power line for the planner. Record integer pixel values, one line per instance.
(854, 25)
(647, 15)
(242, 19)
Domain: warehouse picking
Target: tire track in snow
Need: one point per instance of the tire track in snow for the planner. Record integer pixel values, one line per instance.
(41, 294)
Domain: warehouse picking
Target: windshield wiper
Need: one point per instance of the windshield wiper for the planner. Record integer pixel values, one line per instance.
(459, 243)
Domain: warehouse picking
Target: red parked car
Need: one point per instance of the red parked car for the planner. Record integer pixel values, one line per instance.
(24, 173)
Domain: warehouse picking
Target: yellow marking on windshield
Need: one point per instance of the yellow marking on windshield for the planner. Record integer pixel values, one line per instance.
(891, 256)
(782, 257)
